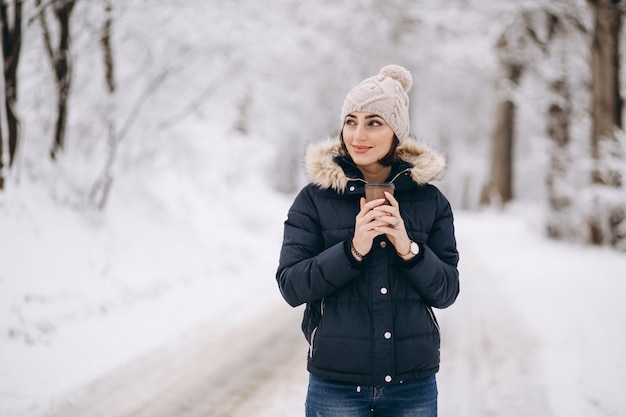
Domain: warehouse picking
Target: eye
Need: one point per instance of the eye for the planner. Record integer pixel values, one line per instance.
(375, 123)
(350, 122)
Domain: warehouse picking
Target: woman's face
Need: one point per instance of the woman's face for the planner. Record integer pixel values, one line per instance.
(367, 137)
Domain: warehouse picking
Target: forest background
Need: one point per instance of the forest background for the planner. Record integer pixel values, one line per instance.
(148, 146)
(524, 97)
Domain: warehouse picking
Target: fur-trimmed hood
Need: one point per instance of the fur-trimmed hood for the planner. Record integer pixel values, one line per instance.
(324, 171)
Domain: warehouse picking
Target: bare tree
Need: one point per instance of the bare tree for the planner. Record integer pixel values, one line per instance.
(107, 49)
(11, 48)
(607, 221)
(565, 47)
(544, 33)
(118, 129)
(100, 190)
(560, 200)
(499, 188)
(60, 58)
(516, 49)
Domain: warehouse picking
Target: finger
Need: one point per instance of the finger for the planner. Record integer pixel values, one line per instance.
(376, 214)
(372, 224)
(378, 230)
(386, 209)
(368, 209)
(392, 221)
(392, 200)
(373, 203)
(365, 208)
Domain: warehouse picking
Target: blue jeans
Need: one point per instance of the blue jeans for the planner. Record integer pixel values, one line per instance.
(417, 398)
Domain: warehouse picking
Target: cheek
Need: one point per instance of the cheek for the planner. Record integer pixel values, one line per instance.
(346, 137)
(389, 142)
(344, 144)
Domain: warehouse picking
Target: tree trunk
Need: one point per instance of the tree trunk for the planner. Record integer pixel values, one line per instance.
(61, 64)
(499, 188)
(560, 202)
(100, 190)
(606, 223)
(11, 48)
(1, 163)
(107, 49)
(4, 22)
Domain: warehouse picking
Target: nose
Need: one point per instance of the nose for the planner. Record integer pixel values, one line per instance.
(360, 133)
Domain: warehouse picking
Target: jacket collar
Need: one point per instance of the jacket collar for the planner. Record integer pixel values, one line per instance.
(328, 167)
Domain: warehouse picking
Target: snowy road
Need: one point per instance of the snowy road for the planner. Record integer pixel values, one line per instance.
(532, 334)
(489, 356)
(202, 376)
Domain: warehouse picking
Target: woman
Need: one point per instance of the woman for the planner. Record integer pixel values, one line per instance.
(370, 272)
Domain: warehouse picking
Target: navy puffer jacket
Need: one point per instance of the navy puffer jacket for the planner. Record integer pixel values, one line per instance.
(370, 322)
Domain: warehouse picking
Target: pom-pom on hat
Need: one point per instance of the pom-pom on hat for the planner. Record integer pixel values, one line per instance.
(385, 95)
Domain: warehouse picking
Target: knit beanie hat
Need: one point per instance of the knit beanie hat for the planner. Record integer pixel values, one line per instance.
(385, 95)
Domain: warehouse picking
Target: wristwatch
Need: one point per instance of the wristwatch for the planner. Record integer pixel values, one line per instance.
(414, 249)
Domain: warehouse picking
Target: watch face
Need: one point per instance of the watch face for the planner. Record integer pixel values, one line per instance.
(415, 249)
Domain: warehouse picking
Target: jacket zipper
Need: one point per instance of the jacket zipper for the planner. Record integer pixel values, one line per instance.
(312, 338)
(433, 318)
(315, 329)
(400, 173)
(392, 180)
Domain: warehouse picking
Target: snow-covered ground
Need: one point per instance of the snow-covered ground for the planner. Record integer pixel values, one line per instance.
(537, 329)
(185, 238)
(191, 231)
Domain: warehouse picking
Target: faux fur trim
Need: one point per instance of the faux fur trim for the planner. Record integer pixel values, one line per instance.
(323, 171)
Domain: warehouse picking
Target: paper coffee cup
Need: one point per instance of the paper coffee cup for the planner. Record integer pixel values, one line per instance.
(376, 190)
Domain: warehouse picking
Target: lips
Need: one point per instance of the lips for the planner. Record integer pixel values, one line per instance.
(360, 149)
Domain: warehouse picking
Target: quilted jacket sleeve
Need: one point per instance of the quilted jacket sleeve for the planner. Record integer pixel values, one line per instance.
(435, 276)
(307, 270)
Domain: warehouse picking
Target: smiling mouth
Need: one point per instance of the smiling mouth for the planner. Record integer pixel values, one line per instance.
(360, 149)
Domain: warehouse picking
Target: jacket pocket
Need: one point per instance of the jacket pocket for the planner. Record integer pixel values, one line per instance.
(312, 341)
(312, 336)
(431, 313)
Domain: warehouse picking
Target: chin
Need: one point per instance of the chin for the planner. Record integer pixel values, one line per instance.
(365, 161)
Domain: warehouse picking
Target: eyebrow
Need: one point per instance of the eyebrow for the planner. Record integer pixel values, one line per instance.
(369, 116)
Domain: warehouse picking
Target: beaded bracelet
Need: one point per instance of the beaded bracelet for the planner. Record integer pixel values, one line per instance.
(355, 252)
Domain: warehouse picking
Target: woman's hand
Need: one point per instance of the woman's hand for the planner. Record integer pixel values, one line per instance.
(367, 225)
(377, 218)
(393, 225)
